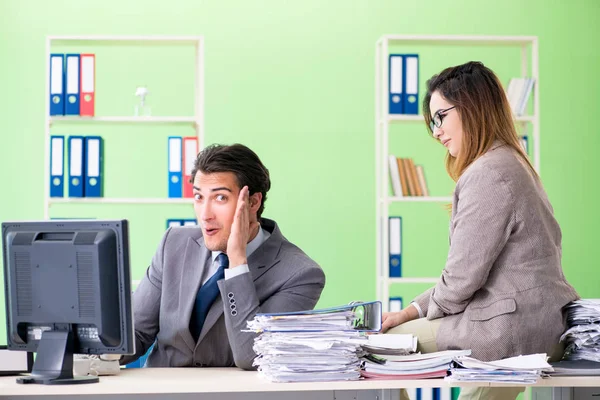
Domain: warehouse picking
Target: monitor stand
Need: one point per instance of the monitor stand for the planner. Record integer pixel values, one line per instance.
(54, 361)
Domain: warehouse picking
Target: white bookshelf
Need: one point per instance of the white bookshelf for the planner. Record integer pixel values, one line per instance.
(118, 200)
(196, 121)
(124, 120)
(528, 46)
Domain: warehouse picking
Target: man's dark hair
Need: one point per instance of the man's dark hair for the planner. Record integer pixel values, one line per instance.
(241, 161)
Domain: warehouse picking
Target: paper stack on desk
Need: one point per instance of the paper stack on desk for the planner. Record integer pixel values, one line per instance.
(312, 346)
(520, 369)
(411, 366)
(582, 339)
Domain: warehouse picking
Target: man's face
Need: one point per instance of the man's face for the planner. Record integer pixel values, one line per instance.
(215, 201)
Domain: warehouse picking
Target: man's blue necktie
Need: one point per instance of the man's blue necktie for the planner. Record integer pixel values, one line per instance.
(206, 296)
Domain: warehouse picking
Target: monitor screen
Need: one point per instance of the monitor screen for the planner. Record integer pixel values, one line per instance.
(67, 288)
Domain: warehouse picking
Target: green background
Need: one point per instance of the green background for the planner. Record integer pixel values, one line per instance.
(294, 80)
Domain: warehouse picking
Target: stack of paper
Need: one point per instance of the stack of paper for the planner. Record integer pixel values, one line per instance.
(412, 366)
(520, 369)
(311, 346)
(582, 339)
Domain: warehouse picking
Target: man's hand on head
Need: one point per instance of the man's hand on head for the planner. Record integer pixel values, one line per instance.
(241, 229)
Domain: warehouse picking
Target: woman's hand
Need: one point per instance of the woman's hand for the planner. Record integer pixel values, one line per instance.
(392, 319)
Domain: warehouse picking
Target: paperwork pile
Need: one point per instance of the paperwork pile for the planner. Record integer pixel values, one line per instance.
(311, 346)
(520, 369)
(582, 339)
(411, 366)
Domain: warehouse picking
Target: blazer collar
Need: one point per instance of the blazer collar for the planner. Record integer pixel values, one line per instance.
(195, 260)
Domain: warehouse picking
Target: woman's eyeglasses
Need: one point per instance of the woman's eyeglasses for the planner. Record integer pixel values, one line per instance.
(438, 118)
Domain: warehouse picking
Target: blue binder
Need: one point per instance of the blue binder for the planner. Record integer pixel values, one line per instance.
(524, 140)
(411, 84)
(396, 83)
(189, 222)
(72, 84)
(174, 223)
(76, 166)
(57, 163)
(395, 246)
(57, 84)
(94, 179)
(395, 304)
(175, 164)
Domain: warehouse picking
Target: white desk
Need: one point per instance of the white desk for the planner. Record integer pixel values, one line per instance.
(233, 383)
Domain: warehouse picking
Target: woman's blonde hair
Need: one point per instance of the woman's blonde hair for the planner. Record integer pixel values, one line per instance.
(479, 99)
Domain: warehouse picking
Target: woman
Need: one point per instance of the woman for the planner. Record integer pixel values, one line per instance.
(502, 289)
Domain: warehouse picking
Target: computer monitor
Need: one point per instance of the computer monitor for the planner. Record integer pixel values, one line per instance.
(67, 287)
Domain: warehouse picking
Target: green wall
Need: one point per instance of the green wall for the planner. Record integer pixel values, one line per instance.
(295, 82)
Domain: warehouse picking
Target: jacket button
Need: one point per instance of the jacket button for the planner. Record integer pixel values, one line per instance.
(230, 295)
(233, 312)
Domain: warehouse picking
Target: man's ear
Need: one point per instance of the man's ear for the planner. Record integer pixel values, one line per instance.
(255, 202)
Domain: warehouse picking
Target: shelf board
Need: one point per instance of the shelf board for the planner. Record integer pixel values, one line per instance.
(419, 118)
(463, 39)
(112, 38)
(425, 199)
(147, 120)
(413, 280)
(117, 200)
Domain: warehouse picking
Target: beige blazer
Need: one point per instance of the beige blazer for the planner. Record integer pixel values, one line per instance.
(502, 289)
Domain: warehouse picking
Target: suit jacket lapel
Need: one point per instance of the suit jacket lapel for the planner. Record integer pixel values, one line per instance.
(259, 262)
(267, 255)
(195, 260)
(216, 310)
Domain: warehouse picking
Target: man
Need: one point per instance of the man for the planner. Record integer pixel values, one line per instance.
(205, 282)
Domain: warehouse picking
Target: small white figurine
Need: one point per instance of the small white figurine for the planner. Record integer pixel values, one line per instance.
(142, 109)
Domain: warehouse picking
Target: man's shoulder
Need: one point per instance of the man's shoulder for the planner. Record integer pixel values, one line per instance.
(183, 233)
(289, 253)
(293, 254)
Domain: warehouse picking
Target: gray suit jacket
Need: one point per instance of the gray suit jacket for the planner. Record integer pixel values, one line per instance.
(281, 278)
(502, 289)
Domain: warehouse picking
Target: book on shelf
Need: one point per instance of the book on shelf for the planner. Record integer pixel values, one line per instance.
(518, 93)
(407, 179)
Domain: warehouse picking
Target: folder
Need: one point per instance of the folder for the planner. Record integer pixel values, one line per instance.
(189, 222)
(72, 85)
(412, 393)
(57, 162)
(88, 85)
(175, 164)
(395, 246)
(425, 394)
(444, 393)
(94, 181)
(396, 83)
(190, 152)
(395, 304)
(76, 166)
(368, 313)
(57, 77)
(411, 84)
(524, 140)
(171, 223)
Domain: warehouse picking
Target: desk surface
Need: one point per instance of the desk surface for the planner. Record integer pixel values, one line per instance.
(232, 380)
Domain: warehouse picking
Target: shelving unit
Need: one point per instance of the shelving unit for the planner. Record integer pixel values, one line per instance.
(196, 121)
(529, 51)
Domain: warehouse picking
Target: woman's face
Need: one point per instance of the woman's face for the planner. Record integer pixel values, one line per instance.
(449, 133)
